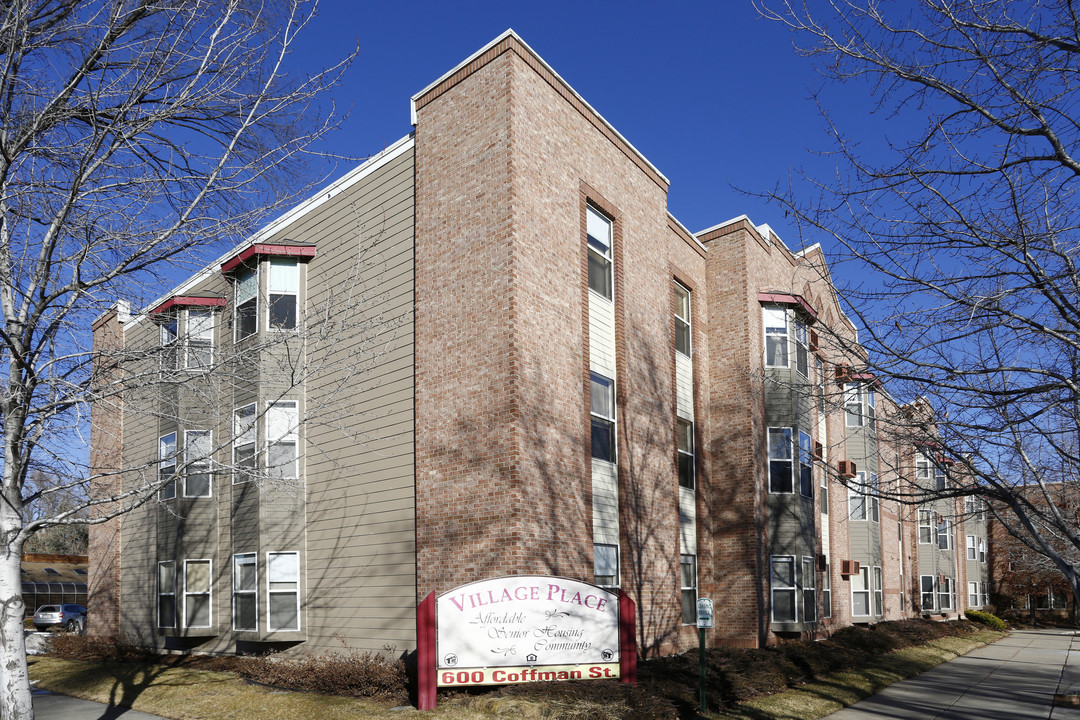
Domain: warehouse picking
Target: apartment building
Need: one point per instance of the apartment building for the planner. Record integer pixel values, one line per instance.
(491, 350)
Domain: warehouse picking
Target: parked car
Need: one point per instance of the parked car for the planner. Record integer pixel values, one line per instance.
(71, 617)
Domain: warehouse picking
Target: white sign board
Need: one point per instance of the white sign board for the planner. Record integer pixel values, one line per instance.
(526, 628)
(704, 613)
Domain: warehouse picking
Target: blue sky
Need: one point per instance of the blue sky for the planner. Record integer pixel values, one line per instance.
(713, 94)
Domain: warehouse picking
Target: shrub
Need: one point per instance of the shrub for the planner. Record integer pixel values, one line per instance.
(92, 648)
(989, 619)
(353, 672)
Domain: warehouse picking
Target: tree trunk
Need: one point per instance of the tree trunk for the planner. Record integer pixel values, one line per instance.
(15, 699)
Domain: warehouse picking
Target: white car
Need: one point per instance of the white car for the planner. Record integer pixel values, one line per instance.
(71, 617)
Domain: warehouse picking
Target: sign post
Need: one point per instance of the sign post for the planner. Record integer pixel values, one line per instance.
(704, 621)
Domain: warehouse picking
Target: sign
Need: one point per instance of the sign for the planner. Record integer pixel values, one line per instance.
(704, 613)
(527, 628)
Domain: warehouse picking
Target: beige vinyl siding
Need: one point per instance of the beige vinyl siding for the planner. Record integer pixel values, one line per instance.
(605, 503)
(687, 522)
(601, 335)
(684, 386)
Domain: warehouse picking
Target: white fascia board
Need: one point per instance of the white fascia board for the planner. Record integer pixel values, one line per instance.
(509, 32)
(732, 221)
(699, 244)
(806, 250)
(331, 191)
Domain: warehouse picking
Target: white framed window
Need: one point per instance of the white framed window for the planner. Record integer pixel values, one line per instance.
(826, 591)
(283, 290)
(783, 589)
(244, 442)
(824, 493)
(246, 303)
(857, 498)
(985, 593)
(809, 589)
(806, 465)
(245, 592)
(860, 592)
(973, 595)
(927, 589)
(599, 234)
(780, 461)
(776, 336)
(197, 464)
(197, 593)
(686, 453)
(871, 407)
(199, 339)
(170, 341)
(926, 527)
(606, 566)
(682, 321)
(923, 468)
(282, 424)
(853, 404)
(802, 351)
(166, 594)
(944, 533)
(167, 466)
(879, 592)
(283, 591)
(945, 594)
(972, 548)
(873, 499)
(941, 478)
(688, 578)
(602, 410)
(982, 550)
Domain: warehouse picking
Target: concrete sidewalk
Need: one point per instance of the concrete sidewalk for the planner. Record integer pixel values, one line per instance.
(1014, 679)
(52, 706)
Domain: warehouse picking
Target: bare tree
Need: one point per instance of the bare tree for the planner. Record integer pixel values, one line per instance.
(135, 135)
(964, 233)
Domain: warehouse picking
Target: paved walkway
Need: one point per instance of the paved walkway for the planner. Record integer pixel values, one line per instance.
(1016, 678)
(52, 706)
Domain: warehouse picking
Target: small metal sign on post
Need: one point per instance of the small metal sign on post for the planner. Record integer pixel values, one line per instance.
(704, 621)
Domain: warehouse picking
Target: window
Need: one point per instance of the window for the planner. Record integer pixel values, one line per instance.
(244, 437)
(871, 408)
(802, 341)
(780, 479)
(686, 453)
(783, 588)
(246, 302)
(602, 409)
(972, 548)
(606, 566)
(824, 493)
(820, 378)
(982, 550)
(944, 537)
(197, 447)
(245, 584)
(860, 592)
(197, 593)
(170, 342)
(282, 420)
(985, 593)
(926, 597)
(945, 594)
(826, 591)
(166, 605)
(806, 465)
(926, 529)
(941, 480)
(682, 320)
(776, 336)
(970, 506)
(688, 576)
(873, 501)
(809, 589)
(857, 498)
(199, 348)
(283, 590)
(853, 405)
(167, 466)
(598, 229)
(973, 594)
(284, 291)
(879, 593)
(923, 468)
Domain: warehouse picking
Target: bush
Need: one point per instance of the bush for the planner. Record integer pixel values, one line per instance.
(92, 648)
(989, 619)
(354, 673)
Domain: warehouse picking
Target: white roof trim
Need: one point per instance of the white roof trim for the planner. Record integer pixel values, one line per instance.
(509, 32)
(699, 243)
(732, 221)
(331, 191)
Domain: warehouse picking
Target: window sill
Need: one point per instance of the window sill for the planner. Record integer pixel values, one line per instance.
(270, 636)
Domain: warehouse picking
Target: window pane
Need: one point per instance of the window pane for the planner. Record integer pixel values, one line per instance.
(779, 443)
(198, 610)
(776, 351)
(244, 425)
(686, 470)
(780, 480)
(783, 606)
(689, 607)
(283, 312)
(860, 603)
(601, 397)
(245, 572)
(783, 572)
(599, 274)
(166, 578)
(605, 565)
(686, 436)
(246, 319)
(284, 276)
(200, 325)
(247, 286)
(283, 612)
(682, 337)
(603, 439)
(166, 611)
(246, 613)
(282, 567)
(197, 577)
(598, 229)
